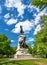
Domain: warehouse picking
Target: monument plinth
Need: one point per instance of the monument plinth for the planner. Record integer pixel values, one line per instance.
(22, 49)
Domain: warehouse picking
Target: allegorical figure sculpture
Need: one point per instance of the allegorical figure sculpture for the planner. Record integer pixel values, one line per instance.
(22, 39)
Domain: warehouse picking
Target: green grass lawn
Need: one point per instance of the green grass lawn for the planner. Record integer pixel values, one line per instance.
(21, 62)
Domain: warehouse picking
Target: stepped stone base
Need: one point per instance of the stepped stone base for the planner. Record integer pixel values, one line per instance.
(22, 54)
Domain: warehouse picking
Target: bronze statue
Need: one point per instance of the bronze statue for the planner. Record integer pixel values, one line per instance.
(21, 30)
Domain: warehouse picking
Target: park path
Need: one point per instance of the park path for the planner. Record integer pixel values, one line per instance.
(40, 63)
(24, 58)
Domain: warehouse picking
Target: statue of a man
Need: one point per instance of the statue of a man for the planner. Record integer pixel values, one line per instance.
(21, 30)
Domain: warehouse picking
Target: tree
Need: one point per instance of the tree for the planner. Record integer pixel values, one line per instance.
(40, 47)
(30, 48)
(5, 48)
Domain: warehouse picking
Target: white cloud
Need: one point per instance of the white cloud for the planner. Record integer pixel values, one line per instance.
(0, 9)
(30, 40)
(12, 40)
(11, 21)
(27, 26)
(36, 21)
(17, 4)
(34, 14)
(31, 7)
(38, 28)
(6, 15)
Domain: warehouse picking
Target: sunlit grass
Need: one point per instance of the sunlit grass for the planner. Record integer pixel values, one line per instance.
(21, 62)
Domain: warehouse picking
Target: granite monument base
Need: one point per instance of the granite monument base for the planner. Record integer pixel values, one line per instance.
(25, 56)
(22, 54)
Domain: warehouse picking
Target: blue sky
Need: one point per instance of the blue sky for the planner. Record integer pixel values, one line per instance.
(14, 13)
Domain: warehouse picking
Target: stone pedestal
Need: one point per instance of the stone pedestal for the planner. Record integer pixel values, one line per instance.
(22, 54)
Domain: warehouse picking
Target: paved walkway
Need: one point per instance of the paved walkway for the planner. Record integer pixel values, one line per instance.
(40, 63)
(23, 58)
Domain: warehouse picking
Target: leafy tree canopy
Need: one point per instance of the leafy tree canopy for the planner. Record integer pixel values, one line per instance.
(40, 46)
(5, 48)
(39, 3)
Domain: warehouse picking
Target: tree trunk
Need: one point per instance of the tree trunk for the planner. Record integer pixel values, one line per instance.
(46, 55)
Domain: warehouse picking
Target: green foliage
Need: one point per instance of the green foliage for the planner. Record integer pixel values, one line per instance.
(40, 47)
(39, 3)
(29, 48)
(5, 48)
(44, 1)
(44, 19)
